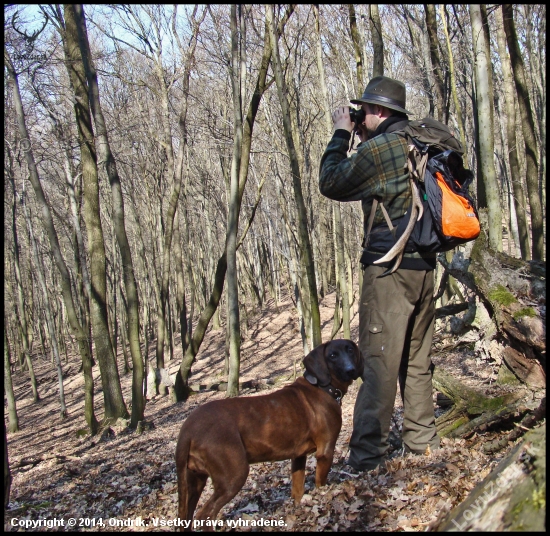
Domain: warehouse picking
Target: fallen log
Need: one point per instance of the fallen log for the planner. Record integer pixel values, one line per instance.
(529, 421)
(470, 409)
(510, 498)
(513, 292)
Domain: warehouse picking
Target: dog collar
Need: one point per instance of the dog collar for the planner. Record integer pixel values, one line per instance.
(334, 392)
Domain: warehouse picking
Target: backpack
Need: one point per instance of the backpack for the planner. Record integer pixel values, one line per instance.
(435, 164)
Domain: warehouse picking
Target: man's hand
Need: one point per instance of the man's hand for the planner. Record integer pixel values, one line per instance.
(341, 119)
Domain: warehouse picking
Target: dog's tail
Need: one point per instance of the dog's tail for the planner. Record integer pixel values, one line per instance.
(182, 456)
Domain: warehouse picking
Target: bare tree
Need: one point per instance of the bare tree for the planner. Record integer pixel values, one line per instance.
(431, 26)
(357, 46)
(48, 313)
(112, 392)
(377, 41)
(119, 222)
(237, 45)
(22, 313)
(535, 43)
(306, 254)
(342, 281)
(13, 419)
(528, 128)
(484, 103)
(454, 89)
(512, 154)
(177, 172)
(181, 385)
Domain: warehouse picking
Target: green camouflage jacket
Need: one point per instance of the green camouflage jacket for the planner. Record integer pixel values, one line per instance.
(378, 168)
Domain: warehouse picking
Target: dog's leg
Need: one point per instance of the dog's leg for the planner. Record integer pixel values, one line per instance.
(228, 478)
(298, 469)
(190, 483)
(195, 485)
(324, 463)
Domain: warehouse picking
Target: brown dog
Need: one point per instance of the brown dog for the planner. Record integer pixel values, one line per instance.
(222, 438)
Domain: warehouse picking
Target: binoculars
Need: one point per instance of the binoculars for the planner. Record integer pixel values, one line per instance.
(357, 116)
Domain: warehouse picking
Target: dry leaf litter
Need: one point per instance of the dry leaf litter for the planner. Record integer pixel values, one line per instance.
(128, 480)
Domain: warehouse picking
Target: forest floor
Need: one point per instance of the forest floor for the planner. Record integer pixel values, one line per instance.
(124, 481)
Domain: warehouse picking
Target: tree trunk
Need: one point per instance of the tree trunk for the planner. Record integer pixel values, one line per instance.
(536, 81)
(22, 316)
(469, 406)
(357, 47)
(342, 284)
(487, 45)
(484, 101)
(293, 266)
(124, 336)
(181, 308)
(454, 90)
(112, 291)
(119, 221)
(192, 287)
(417, 42)
(173, 174)
(325, 260)
(528, 127)
(513, 219)
(84, 287)
(431, 26)
(47, 311)
(510, 120)
(13, 419)
(233, 324)
(377, 41)
(181, 388)
(306, 253)
(7, 472)
(112, 392)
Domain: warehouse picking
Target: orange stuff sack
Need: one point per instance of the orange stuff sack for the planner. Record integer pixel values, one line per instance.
(458, 217)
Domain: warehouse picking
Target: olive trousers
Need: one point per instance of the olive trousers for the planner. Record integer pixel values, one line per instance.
(396, 323)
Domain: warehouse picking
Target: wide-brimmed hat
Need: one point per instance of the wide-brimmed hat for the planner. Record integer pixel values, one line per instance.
(386, 92)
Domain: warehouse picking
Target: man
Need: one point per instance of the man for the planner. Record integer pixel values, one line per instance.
(396, 312)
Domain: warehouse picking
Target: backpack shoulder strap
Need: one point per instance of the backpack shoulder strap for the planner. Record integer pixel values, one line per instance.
(375, 203)
(416, 162)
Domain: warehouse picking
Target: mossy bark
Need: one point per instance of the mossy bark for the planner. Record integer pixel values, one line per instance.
(470, 409)
(510, 498)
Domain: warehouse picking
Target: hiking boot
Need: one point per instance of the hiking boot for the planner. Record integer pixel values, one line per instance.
(354, 471)
(403, 451)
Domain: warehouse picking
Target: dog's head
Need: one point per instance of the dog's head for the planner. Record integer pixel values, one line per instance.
(339, 360)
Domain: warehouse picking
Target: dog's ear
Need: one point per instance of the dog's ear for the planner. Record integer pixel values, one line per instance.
(316, 366)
